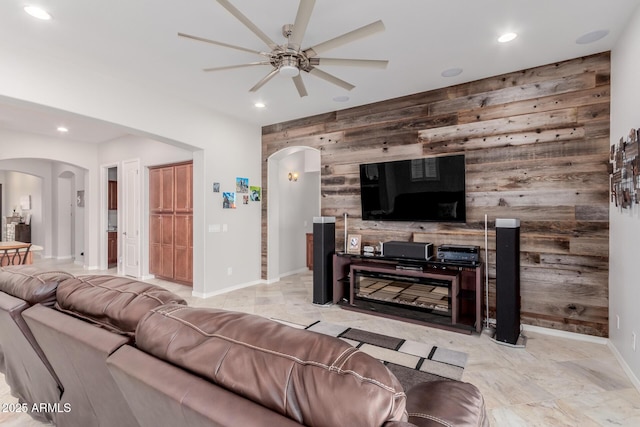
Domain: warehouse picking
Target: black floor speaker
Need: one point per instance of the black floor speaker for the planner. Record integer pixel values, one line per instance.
(507, 280)
(324, 246)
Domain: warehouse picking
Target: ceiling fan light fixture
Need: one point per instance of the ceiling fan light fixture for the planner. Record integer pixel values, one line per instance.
(507, 37)
(37, 12)
(289, 66)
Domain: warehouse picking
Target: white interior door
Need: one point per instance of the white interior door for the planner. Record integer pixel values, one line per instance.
(130, 234)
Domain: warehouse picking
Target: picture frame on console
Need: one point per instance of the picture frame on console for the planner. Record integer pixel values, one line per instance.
(354, 243)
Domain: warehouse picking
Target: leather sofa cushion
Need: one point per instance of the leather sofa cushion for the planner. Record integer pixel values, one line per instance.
(314, 379)
(31, 284)
(446, 403)
(112, 302)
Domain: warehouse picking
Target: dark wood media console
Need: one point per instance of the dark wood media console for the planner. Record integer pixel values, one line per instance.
(444, 294)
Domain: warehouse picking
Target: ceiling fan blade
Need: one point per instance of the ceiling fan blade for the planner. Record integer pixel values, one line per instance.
(354, 35)
(302, 91)
(331, 78)
(247, 23)
(230, 67)
(371, 63)
(300, 25)
(244, 49)
(264, 80)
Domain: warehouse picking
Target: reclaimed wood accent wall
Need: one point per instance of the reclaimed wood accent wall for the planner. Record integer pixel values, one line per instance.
(536, 145)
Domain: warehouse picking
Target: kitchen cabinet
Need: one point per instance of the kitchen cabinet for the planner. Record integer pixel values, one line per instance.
(112, 245)
(113, 195)
(171, 222)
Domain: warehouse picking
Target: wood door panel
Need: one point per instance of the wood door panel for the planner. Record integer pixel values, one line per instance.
(155, 189)
(183, 188)
(183, 248)
(183, 264)
(166, 225)
(171, 222)
(183, 230)
(166, 255)
(167, 189)
(155, 229)
(113, 195)
(155, 259)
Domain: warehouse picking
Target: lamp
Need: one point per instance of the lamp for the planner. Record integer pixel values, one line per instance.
(293, 176)
(289, 66)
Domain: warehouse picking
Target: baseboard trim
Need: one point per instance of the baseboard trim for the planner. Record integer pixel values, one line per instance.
(566, 334)
(225, 290)
(283, 275)
(627, 370)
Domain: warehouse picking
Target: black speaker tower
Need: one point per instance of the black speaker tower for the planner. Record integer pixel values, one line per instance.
(507, 280)
(324, 246)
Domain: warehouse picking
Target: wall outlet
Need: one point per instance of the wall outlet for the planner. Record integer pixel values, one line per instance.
(229, 271)
(633, 341)
(618, 321)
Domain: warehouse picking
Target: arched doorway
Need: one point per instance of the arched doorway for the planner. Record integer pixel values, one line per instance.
(293, 202)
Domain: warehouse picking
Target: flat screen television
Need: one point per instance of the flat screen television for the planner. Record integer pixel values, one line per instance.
(425, 189)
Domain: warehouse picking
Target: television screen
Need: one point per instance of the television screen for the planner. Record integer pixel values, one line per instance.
(426, 189)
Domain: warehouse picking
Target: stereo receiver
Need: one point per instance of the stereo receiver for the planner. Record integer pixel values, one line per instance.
(464, 253)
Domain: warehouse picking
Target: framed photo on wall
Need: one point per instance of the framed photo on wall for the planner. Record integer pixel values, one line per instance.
(353, 244)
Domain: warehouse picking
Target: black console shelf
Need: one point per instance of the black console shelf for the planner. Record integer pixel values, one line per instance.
(462, 280)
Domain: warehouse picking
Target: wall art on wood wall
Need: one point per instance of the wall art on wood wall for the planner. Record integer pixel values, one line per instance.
(625, 170)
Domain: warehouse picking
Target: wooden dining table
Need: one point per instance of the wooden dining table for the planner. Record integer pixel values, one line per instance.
(9, 250)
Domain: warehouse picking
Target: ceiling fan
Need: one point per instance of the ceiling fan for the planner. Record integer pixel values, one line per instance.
(289, 58)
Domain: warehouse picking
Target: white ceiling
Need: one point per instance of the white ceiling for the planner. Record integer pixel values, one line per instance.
(137, 41)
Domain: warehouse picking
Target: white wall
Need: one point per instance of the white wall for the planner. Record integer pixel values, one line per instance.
(32, 177)
(224, 148)
(17, 185)
(299, 203)
(38, 178)
(18, 152)
(624, 235)
(150, 153)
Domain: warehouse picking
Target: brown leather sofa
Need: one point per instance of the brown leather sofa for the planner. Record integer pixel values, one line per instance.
(126, 353)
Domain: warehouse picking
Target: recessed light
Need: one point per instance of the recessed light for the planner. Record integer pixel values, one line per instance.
(37, 12)
(451, 72)
(340, 98)
(259, 105)
(62, 129)
(507, 37)
(592, 36)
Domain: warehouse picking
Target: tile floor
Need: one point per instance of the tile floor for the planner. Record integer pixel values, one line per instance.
(552, 382)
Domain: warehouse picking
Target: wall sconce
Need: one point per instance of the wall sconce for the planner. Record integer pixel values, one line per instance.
(293, 176)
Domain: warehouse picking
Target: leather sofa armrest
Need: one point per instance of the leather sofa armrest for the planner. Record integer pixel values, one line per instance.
(446, 403)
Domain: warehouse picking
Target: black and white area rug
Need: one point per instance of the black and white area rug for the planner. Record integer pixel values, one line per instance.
(411, 362)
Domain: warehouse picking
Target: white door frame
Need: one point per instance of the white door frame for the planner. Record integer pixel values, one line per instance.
(130, 219)
(103, 243)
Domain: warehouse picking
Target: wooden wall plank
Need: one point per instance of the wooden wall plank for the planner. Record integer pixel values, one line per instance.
(536, 145)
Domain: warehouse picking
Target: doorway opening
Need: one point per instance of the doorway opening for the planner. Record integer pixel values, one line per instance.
(294, 199)
(112, 217)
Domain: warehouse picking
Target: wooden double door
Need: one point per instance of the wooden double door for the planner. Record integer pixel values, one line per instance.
(171, 222)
